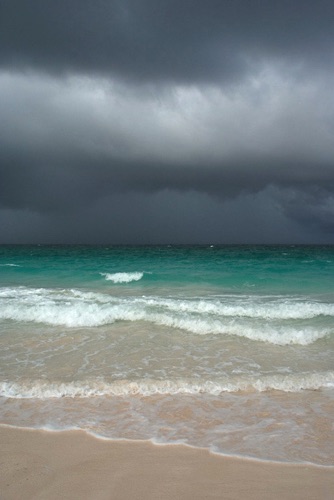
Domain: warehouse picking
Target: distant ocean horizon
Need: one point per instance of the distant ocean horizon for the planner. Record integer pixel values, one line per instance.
(225, 347)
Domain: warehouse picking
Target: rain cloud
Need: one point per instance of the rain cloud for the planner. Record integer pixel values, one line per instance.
(164, 121)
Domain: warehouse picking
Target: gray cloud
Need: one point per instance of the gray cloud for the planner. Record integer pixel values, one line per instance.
(164, 217)
(172, 107)
(175, 40)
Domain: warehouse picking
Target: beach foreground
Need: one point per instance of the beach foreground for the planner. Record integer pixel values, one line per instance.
(72, 464)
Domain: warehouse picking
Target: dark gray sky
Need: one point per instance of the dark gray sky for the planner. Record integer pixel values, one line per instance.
(167, 121)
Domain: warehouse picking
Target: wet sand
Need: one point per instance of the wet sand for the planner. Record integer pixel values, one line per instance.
(73, 465)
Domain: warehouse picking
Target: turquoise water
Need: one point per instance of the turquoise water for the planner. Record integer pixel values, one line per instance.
(229, 268)
(225, 347)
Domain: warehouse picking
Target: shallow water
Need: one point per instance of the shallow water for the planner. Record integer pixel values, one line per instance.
(229, 348)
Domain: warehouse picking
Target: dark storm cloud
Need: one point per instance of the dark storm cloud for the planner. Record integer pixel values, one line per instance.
(312, 207)
(220, 109)
(164, 217)
(175, 40)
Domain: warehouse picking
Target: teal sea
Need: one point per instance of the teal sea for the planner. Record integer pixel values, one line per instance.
(222, 347)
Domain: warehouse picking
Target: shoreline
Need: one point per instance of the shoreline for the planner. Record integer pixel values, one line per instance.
(158, 444)
(47, 464)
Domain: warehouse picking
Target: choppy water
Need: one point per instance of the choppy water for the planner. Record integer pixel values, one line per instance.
(229, 348)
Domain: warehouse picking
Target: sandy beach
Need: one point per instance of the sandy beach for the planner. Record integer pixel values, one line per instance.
(70, 465)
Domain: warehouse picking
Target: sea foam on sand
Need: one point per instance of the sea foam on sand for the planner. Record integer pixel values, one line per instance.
(71, 464)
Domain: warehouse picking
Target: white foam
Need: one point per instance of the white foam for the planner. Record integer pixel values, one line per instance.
(254, 307)
(270, 321)
(123, 277)
(40, 389)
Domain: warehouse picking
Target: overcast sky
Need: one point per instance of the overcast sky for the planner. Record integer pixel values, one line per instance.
(167, 121)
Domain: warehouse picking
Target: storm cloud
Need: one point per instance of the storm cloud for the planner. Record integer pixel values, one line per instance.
(162, 121)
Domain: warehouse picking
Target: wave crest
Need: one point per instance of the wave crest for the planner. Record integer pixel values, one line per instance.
(273, 321)
(123, 277)
(39, 389)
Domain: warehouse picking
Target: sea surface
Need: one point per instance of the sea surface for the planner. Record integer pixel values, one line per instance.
(222, 347)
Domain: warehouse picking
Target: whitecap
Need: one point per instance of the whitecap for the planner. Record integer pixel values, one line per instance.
(123, 277)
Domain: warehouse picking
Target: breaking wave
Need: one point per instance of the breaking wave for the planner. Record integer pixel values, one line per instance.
(40, 389)
(277, 320)
(123, 277)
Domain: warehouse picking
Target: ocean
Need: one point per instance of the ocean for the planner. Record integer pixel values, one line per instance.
(222, 347)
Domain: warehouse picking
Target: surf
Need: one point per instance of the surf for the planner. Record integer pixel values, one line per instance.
(123, 277)
(274, 320)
